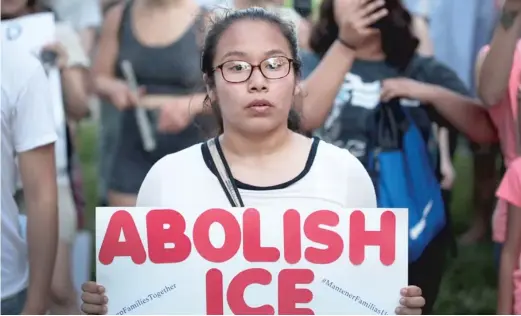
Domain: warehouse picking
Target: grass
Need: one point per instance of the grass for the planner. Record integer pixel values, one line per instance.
(470, 281)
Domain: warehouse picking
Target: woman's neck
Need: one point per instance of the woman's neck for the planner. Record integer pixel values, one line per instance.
(242, 145)
(371, 50)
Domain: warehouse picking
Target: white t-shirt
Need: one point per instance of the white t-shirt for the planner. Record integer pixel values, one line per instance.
(27, 123)
(81, 13)
(70, 40)
(332, 178)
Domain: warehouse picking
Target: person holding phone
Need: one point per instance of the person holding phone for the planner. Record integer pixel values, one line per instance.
(384, 65)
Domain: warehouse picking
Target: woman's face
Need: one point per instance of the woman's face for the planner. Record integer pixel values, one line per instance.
(258, 104)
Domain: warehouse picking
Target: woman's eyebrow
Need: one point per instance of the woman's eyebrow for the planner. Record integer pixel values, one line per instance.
(236, 53)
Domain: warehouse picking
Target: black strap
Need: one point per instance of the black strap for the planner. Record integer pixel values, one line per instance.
(224, 174)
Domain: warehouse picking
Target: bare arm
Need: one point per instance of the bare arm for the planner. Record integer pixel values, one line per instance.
(75, 91)
(444, 145)
(322, 85)
(105, 60)
(304, 32)
(509, 261)
(446, 166)
(155, 101)
(88, 39)
(463, 112)
(497, 64)
(420, 28)
(38, 173)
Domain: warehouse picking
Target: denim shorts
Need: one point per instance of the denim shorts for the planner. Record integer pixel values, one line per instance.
(15, 304)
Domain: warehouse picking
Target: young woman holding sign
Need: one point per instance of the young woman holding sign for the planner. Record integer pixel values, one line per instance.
(251, 67)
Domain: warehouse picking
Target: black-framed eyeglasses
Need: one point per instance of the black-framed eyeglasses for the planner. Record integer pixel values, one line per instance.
(237, 71)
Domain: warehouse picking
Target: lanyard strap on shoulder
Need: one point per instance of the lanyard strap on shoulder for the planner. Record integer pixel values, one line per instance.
(224, 175)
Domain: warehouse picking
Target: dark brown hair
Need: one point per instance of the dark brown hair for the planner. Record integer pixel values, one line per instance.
(398, 42)
(219, 26)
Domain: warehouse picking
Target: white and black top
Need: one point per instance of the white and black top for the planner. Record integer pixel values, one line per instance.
(332, 178)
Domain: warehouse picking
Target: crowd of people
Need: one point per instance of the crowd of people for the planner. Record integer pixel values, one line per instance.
(274, 83)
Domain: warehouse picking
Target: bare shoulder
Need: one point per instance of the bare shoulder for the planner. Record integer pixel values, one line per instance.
(113, 17)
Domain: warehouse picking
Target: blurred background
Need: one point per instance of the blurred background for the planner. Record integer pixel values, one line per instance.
(453, 31)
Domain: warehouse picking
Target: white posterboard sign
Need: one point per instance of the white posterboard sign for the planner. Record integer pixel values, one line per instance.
(251, 260)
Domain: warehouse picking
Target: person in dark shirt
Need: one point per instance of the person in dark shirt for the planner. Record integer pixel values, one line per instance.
(385, 66)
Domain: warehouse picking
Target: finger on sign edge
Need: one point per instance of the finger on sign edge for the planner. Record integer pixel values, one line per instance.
(92, 298)
(90, 287)
(413, 302)
(374, 17)
(90, 309)
(413, 290)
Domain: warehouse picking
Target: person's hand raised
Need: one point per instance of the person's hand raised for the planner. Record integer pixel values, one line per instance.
(356, 17)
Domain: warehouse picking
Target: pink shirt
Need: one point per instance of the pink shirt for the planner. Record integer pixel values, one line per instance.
(509, 190)
(502, 115)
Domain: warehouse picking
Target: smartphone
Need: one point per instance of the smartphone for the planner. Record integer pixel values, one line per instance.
(48, 57)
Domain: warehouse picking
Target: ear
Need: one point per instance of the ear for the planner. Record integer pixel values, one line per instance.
(209, 90)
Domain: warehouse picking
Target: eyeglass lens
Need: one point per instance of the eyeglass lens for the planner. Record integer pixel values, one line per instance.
(271, 68)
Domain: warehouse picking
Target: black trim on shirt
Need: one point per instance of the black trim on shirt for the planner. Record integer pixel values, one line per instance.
(209, 163)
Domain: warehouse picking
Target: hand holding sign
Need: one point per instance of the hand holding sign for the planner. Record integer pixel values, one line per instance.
(95, 301)
(244, 261)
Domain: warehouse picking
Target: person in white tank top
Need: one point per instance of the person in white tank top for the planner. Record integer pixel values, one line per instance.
(251, 67)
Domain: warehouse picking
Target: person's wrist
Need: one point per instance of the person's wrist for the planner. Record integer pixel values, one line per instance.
(345, 43)
(424, 91)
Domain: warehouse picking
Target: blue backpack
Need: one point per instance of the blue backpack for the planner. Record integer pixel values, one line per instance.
(403, 174)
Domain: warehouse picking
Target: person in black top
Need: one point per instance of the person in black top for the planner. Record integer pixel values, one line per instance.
(385, 66)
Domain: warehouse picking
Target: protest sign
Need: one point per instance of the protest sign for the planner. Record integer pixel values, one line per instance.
(251, 260)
